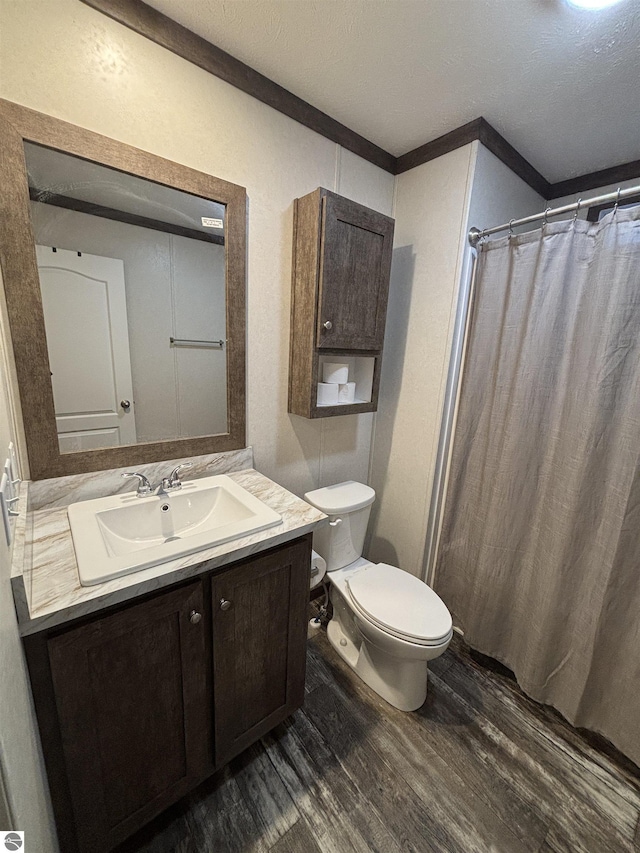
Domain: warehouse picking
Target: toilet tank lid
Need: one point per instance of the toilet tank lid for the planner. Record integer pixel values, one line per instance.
(343, 497)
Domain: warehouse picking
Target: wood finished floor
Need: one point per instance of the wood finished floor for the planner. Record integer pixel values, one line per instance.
(478, 768)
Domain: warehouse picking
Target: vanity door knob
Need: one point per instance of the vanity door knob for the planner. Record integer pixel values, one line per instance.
(328, 325)
(126, 404)
(224, 604)
(195, 617)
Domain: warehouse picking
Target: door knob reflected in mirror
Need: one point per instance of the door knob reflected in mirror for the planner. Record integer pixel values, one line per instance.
(224, 604)
(126, 404)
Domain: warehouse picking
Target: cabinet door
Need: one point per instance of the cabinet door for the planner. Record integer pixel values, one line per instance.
(131, 693)
(354, 275)
(259, 645)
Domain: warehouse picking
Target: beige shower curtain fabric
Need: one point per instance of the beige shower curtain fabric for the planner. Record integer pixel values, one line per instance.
(539, 557)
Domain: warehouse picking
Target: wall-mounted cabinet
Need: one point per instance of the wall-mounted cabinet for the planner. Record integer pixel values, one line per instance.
(341, 266)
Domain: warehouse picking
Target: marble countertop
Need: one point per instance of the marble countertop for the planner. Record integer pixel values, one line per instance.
(45, 581)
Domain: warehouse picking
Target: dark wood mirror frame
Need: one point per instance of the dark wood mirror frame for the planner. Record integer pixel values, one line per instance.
(24, 303)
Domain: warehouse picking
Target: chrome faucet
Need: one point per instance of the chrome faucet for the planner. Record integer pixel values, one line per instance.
(144, 486)
(173, 482)
(168, 484)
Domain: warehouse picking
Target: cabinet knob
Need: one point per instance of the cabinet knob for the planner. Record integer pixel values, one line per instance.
(195, 617)
(224, 604)
(328, 325)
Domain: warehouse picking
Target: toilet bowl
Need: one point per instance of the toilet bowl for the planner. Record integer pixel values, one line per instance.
(386, 624)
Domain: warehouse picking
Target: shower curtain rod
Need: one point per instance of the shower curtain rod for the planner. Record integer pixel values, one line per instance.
(475, 235)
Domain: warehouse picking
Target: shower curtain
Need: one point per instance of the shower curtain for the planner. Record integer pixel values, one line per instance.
(539, 557)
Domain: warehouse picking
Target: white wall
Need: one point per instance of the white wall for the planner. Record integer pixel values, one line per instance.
(71, 62)
(21, 768)
(498, 194)
(174, 288)
(435, 206)
(67, 60)
(430, 212)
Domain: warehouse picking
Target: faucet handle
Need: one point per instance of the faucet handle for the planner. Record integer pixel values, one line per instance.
(173, 478)
(144, 486)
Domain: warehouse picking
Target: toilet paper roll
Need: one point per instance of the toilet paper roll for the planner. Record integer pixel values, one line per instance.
(318, 569)
(347, 392)
(335, 372)
(327, 393)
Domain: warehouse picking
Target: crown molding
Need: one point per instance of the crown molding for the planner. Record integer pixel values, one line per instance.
(593, 180)
(462, 135)
(479, 129)
(498, 145)
(164, 31)
(167, 33)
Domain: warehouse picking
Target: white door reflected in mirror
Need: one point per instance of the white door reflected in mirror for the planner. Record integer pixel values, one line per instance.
(134, 296)
(85, 316)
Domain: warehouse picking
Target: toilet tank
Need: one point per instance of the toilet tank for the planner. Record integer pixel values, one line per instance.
(348, 506)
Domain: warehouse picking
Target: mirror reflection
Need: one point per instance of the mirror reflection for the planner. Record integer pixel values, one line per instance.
(132, 275)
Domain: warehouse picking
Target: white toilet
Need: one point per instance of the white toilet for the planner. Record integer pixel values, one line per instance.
(386, 623)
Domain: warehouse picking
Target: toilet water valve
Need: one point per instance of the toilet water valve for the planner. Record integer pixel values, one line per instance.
(335, 523)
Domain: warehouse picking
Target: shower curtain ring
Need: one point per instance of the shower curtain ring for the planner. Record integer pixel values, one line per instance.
(615, 207)
(511, 228)
(575, 215)
(545, 219)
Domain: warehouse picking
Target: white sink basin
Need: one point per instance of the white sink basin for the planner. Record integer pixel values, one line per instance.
(119, 534)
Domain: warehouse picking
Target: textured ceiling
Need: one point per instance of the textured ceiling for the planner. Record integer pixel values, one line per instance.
(562, 85)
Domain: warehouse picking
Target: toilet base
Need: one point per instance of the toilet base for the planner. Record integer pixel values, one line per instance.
(401, 683)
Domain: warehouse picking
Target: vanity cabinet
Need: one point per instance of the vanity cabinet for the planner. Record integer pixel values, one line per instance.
(259, 647)
(340, 284)
(138, 705)
(131, 696)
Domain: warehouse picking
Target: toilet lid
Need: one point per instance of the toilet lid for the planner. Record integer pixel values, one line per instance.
(400, 602)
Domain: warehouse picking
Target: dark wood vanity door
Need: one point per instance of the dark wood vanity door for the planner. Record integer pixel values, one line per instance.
(259, 645)
(132, 700)
(354, 275)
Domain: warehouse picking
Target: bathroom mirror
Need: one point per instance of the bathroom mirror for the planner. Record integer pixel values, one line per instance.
(124, 275)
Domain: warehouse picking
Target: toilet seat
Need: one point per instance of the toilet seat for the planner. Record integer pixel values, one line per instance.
(400, 604)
